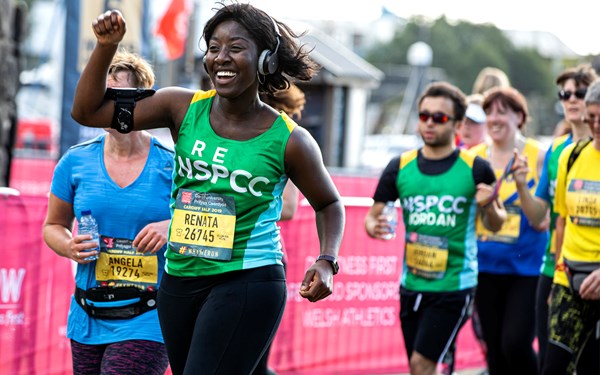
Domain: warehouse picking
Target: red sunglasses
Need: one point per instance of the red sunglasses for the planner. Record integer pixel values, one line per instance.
(565, 95)
(439, 118)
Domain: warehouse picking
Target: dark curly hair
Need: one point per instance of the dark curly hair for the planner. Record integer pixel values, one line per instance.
(293, 58)
(447, 90)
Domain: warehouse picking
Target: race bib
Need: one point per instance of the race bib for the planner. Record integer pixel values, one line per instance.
(120, 265)
(426, 256)
(203, 225)
(509, 233)
(583, 201)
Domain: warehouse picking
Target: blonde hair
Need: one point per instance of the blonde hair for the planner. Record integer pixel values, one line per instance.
(475, 99)
(140, 70)
(290, 100)
(488, 78)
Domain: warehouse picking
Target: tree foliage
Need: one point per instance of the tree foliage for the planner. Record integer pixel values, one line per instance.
(462, 49)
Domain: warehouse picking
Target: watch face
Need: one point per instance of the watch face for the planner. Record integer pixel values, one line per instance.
(336, 267)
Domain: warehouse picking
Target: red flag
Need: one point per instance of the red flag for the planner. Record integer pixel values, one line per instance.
(173, 26)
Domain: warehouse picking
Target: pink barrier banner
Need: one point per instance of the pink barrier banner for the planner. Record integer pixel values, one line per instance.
(31, 176)
(35, 285)
(354, 331)
(357, 329)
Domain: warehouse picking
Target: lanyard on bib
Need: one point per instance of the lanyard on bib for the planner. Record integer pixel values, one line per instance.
(508, 171)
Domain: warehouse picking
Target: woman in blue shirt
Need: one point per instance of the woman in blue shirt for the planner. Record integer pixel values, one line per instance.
(125, 180)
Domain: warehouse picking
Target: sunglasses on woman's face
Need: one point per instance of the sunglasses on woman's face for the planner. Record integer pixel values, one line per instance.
(565, 95)
(439, 118)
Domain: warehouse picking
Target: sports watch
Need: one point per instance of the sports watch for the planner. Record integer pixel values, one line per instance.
(332, 260)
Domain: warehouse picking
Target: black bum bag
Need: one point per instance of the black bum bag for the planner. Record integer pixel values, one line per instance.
(577, 272)
(143, 301)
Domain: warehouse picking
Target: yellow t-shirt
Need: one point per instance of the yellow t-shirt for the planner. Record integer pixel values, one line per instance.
(577, 200)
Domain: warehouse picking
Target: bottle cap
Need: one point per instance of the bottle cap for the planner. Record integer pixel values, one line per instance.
(86, 212)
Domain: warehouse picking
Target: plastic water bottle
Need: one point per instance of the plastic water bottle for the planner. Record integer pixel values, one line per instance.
(88, 225)
(391, 214)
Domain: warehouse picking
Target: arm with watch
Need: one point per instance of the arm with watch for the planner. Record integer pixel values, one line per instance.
(318, 279)
(304, 166)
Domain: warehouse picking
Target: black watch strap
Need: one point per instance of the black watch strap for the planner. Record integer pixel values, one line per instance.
(332, 260)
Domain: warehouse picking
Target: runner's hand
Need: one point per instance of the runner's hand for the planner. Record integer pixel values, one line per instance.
(79, 250)
(152, 237)
(109, 28)
(590, 287)
(318, 282)
(520, 169)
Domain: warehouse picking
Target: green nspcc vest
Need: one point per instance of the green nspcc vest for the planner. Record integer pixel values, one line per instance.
(439, 214)
(227, 196)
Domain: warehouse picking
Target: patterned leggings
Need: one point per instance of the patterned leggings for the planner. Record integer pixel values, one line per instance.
(132, 357)
(572, 324)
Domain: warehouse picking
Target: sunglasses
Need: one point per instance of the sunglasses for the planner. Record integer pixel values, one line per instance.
(437, 117)
(565, 95)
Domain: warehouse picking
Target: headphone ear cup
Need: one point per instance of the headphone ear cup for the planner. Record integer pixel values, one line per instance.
(272, 62)
(204, 63)
(262, 62)
(267, 62)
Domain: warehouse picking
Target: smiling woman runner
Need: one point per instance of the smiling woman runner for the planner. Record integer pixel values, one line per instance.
(509, 259)
(223, 293)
